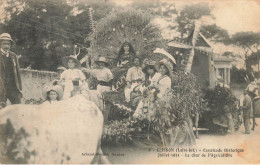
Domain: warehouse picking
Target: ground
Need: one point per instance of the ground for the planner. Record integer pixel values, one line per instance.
(250, 144)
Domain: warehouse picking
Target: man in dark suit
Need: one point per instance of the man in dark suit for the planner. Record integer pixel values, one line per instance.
(10, 78)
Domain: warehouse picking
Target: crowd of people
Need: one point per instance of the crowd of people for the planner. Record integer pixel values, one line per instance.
(150, 78)
(140, 75)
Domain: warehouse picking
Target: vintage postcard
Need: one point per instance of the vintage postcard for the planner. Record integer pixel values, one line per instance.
(129, 82)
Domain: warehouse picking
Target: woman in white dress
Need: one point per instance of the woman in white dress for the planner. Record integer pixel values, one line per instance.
(165, 68)
(73, 78)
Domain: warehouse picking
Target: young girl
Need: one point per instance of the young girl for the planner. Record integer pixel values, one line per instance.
(52, 94)
(151, 74)
(73, 79)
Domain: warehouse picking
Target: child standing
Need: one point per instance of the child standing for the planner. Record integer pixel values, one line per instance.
(73, 78)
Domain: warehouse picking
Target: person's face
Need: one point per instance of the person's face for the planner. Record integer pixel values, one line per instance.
(71, 63)
(101, 65)
(150, 71)
(53, 95)
(136, 62)
(6, 45)
(163, 69)
(126, 48)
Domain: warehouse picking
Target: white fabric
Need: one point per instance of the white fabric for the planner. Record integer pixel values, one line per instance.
(128, 91)
(101, 74)
(163, 84)
(241, 100)
(68, 76)
(102, 88)
(134, 73)
(154, 79)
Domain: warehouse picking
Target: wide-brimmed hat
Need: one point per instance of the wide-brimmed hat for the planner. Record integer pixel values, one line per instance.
(6, 36)
(149, 63)
(102, 59)
(67, 58)
(56, 88)
(168, 65)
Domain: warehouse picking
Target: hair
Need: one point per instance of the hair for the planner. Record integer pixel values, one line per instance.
(106, 64)
(122, 50)
(168, 72)
(149, 67)
(48, 95)
(135, 57)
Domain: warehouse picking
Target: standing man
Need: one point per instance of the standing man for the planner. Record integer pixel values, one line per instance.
(10, 78)
(246, 112)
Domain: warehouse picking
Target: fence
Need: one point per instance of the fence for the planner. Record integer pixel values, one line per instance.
(33, 82)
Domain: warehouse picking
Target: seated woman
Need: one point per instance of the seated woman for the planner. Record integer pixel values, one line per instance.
(151, 74)
(52, 94)
(126, 53)
(165, 68)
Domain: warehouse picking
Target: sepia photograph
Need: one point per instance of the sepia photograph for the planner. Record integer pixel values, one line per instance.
(129, 82)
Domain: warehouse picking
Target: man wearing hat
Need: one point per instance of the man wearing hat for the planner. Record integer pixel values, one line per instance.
(102, 73)
(10, 78)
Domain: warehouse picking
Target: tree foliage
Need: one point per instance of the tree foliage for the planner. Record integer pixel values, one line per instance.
(45, 31)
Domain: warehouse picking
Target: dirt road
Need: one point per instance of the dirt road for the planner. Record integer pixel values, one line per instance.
(234, 148)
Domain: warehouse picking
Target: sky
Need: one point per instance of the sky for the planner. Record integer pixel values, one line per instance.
(232, 15)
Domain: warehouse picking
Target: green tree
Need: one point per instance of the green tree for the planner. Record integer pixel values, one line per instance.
(249, 42)
(45, 31)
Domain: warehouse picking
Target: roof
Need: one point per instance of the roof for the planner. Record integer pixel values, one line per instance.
(222, 59)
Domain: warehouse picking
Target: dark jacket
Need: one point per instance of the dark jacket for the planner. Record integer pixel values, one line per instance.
(16, 70)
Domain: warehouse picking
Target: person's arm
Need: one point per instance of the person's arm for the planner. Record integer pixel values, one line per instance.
(110, 75)
(92, 72)
(82, 76)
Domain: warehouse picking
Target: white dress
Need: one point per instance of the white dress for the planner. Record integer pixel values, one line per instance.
(67, 77)
(154, 79)
(134, 74)
(164, 83)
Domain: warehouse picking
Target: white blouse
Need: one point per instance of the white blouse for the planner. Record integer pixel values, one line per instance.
(154, 79)
(163, 83)
(104, 74)
(72, 74)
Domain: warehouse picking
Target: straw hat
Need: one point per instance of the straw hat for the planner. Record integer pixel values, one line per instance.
(56, 88)
(168, 65)
(67, 58)
(147, 64)
(102, 59)
(6, 36)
